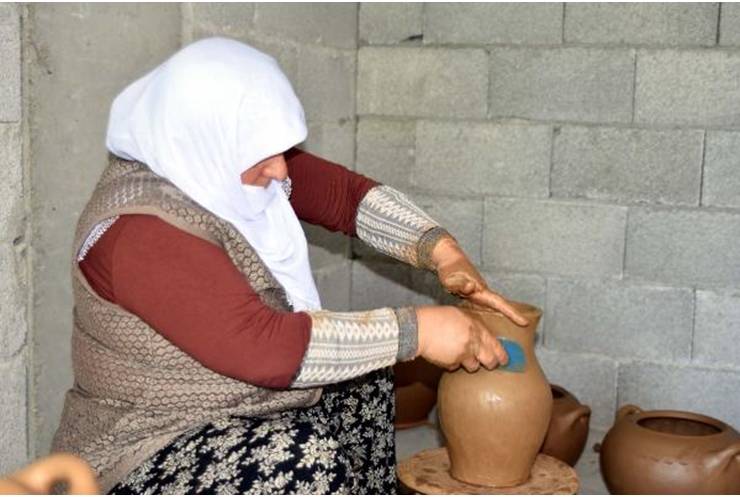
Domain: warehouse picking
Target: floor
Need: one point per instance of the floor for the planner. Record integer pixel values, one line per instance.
(413, 440)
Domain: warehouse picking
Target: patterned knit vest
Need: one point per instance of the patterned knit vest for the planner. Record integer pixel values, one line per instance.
(134, 391)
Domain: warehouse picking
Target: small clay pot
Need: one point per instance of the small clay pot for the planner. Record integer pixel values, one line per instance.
(40, 477)
(416, 391)
(670, 452)
(568, 429)
(494, 422)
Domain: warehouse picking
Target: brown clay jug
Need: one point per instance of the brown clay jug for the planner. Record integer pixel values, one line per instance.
(568, 429)
(40, 477)
(670, 452)
(416, 391)
(495, 421)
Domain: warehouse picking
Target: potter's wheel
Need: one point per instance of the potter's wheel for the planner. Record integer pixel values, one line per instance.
(428, 472)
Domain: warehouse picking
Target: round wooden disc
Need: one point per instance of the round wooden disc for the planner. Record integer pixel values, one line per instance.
(428, 472)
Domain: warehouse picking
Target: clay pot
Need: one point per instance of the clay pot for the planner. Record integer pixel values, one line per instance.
(42, 476)
(568, 429)
(670, 452)
(416, 392)
(495, 421)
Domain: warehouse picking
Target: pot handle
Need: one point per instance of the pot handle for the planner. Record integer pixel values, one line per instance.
(582, 413)
(626, 410)
(724, 456)
(42, 476)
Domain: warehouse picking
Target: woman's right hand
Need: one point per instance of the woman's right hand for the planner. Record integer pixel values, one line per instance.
(449, 338)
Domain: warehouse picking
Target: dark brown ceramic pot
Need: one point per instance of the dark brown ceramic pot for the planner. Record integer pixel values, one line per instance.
(494, 422)
(416, 391)
(568, 429)
(670, 452)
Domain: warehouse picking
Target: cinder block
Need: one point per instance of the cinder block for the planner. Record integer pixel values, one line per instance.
(628, 165)
(619, 320)
(385, 149)
(325, 83)
(687, 87)
(334, 283)
(679, 24)
(490, 23)
(326, 24)
(683, 247)
(564, 238)
(717, 329)
(591, 378)
(564, 84)
(13, 301)
(483, 158)
(235, 20)
(10, 63)
(332, 141)
(729, 24)
(378, 284)
(325, 248)
(463, 218)
(11, 182)
(721, 185)
(422, 82)
(390, 23)
(712, 392)
(13, 414)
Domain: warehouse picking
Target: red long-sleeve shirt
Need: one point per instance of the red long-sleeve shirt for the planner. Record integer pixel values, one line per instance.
(189, 290)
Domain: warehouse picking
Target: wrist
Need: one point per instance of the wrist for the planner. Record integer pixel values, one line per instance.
(445, 251)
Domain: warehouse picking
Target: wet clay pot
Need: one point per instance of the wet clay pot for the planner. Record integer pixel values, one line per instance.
(568, 429)
(670, 452)
(495, 421)
(40, 477)
(416, 391)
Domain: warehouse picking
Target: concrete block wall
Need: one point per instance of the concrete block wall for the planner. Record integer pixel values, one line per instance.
(14, 265)
(316, 46)
(588, 155)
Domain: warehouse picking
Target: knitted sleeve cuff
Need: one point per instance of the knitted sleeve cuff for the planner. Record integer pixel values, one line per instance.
(408, 333)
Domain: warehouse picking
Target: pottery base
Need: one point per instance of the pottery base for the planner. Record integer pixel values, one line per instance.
(428, 472)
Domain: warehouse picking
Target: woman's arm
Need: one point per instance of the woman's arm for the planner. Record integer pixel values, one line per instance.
(190, 292)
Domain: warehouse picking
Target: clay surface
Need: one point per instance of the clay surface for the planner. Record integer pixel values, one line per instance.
(416, 391)
(495, 421)
(568, 429)
(40, 477)
(428, 472)
(670, 452)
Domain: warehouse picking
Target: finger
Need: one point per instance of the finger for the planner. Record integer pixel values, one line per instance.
(500, 351)
(488, 356)
(491, 299)
(471, 365)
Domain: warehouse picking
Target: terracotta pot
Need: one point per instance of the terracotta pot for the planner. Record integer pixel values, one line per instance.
(40, 477)
(670, 452)
(568, 429)
(416, 391)
(495, 421)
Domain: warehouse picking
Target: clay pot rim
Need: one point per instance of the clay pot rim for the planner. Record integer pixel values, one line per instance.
(691, 416)
(529, 311)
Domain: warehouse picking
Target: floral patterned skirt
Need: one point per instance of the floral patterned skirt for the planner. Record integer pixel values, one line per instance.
(342, 445)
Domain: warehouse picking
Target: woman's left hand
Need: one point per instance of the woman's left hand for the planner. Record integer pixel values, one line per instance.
(460, 277)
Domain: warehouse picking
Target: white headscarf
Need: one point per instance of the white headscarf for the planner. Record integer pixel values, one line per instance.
(212, 110)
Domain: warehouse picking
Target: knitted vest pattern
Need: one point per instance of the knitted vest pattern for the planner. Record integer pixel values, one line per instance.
(134, 391)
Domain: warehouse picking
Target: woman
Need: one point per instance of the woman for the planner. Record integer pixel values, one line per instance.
(203, 360)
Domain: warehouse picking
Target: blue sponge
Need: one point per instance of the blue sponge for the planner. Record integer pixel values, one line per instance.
(517, 360)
